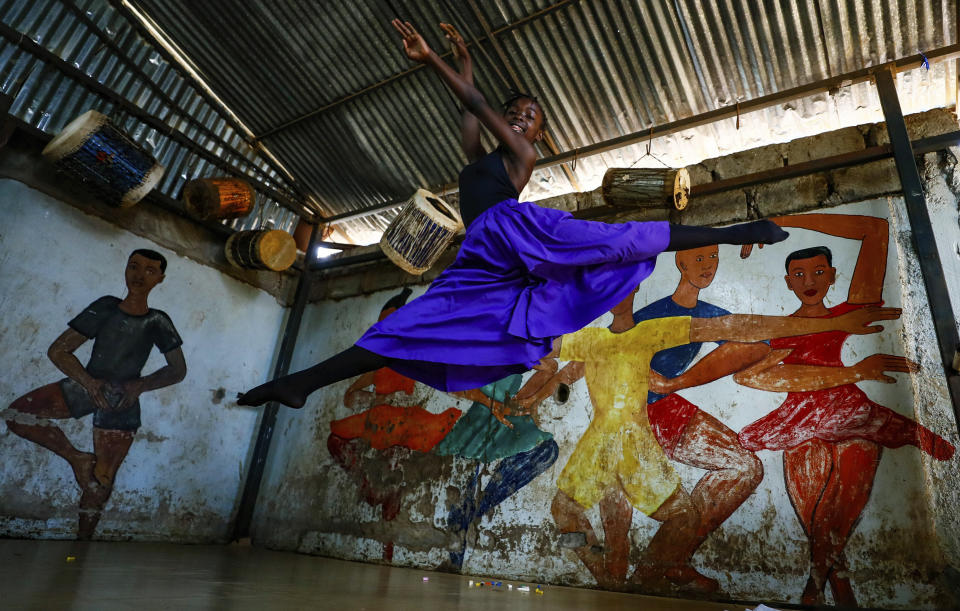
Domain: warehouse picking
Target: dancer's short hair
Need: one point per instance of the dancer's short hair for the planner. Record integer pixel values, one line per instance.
(809, 253)
(153, 256)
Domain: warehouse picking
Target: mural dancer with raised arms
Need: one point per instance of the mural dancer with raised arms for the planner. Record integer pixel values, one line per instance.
(124, 331)
(618, 461)
(830, 432)
(691, 436)
(523, 275)
(511, 445)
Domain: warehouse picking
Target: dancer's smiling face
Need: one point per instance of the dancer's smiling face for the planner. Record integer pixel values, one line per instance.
(525, 117)
(810, 279)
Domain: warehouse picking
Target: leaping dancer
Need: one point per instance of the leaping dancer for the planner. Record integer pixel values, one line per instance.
(524, 274)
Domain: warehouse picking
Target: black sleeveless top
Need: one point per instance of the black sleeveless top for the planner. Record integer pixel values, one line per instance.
(484, 183)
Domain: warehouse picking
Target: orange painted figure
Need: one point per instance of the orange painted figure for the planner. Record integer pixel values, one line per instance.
(830, 432)
(395, 421)
(386, 425)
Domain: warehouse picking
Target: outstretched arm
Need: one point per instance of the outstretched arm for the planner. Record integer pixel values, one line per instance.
(61, 355)
(866, 285)
(469, 124)
(753, 327)
(773, 375)
(536, 390)
(724, 360)
(417, 50)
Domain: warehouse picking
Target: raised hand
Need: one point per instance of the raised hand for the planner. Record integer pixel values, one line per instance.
(413, 44)
(456, 41)
(873, 367)
(859, 322)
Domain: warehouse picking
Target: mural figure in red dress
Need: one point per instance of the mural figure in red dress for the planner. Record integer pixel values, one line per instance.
(830, 432)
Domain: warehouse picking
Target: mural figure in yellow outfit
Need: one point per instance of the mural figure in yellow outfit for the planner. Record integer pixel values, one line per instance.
(618, 461)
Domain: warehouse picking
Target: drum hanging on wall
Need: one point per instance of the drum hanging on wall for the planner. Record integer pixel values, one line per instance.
(421, 232)
(261, 249)
(646, 187)
(218, 198)
(93, 150)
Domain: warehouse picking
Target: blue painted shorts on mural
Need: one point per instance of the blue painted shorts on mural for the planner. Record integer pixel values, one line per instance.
(80, 404)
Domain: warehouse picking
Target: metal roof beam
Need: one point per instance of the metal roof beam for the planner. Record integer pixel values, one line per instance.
(366, 254)
(732, 110)
(158, 91)
(922, 235)
(226, 113)
(726, 112)
(342, 100)
(28, 45)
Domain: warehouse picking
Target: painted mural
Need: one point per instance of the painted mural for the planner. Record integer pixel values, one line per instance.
(830, 432)
(109, 386)
(392, 429)
(646, 425)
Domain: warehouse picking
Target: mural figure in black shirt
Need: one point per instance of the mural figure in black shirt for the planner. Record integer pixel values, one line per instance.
(109, 386)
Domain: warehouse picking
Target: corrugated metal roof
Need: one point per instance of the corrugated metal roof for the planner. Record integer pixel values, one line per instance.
(372, 127)
(326, 87)
(59, 59)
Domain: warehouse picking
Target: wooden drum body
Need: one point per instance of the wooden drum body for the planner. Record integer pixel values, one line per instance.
(421, 232)
(646, 187)
(218, 198)
(261, 249)
(116, 168)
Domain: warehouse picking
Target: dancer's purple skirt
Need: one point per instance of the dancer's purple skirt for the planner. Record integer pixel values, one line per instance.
(524, 276)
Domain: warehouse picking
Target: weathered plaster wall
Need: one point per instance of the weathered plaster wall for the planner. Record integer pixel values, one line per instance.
(182, 476)
(902, 553)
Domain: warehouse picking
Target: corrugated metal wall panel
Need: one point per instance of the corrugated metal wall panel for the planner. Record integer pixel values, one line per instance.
(92, 37)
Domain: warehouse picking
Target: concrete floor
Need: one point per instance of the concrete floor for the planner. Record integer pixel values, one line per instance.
(142, 576)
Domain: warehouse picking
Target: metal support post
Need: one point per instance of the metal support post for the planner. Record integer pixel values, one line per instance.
(921, 232)
(251, 488)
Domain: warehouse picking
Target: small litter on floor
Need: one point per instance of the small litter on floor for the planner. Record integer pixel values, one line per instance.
(498, 586)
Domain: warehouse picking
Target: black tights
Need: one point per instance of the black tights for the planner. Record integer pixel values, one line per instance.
(292, 390)
(683, 237)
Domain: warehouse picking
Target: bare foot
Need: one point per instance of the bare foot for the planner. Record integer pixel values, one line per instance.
(278, 390)
(83, 470)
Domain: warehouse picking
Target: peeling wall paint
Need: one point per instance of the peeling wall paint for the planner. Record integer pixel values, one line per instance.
(901, 554)
(182, 476)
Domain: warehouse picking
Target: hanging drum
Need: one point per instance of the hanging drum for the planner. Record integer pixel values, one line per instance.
(218, 198)
(261, 249)
(421, 232)
(93, 150)
(646, 187)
